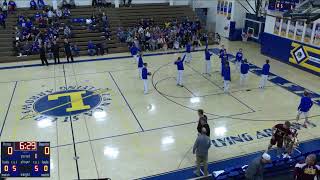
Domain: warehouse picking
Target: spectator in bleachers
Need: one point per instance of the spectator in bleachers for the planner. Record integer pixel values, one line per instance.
(67, 32)
(50, 15)
(94, 3)
(59, 13)
(106, 3)
(66, 13)
(33, 5)
(307, 170)
(91, 48)
(65, 4)
(255, 169)
(72, 4)
(99, 49)
(5, 8)
(75, 50)
(26, 49)
(41, 4)
(3, 20)
(12, 6)
(128, 4)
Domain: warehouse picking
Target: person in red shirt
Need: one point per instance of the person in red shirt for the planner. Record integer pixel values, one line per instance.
(307, 170)
(280, 131)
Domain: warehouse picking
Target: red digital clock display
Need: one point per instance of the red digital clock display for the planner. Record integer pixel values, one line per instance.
(25, 146)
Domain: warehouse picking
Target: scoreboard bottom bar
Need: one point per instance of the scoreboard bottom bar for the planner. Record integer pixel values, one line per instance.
(25, 159)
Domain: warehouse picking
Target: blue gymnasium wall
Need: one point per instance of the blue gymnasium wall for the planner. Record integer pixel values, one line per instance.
(285, 50)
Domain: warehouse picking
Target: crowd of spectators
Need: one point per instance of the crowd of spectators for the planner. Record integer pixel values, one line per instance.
(5, 9)
(43, 30)
(147, 35)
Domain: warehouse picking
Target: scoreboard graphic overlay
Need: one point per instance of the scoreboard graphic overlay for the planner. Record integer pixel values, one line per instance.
(25, 159)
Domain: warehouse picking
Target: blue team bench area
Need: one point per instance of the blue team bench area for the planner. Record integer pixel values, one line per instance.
(234, 168)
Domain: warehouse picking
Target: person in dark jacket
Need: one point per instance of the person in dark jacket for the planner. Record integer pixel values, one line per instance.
(43, 55)
(55, 50)
(256, 167)
(203, 124)
(67, 50)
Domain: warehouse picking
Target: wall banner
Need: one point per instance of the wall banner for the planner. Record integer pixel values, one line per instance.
(305, 56)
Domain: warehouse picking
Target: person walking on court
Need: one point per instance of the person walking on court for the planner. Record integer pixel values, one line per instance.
(180, 68)
(255, 169)
(67, 50)
(201, 114)
(188, 53)
(43, 55)
(304, 107)
(134, 52)
(55, 51)
(208, 55)
(244, 72)
(265, 73)
(200, 148)
(226, 77)
(145, 75)
(239, 57)
(140, 64)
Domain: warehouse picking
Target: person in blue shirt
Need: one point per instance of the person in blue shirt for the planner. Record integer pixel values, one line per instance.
(134, 52)
(140, 64)
(208, 55)
(180, 68)
(264, 74)
(41, 4)
(33, 5)
(144, 76)
(91, 48)
(239, 57)
(226, 77)
(188, 52)
(11, 6)
(244, 72)
(304, 107)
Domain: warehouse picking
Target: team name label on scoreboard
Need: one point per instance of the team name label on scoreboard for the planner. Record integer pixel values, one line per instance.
(25, 159)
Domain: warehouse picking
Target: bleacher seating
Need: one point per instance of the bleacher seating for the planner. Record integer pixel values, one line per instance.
(118, 17)
(276, 167)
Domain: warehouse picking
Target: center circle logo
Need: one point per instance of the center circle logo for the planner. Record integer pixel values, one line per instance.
(65, 103)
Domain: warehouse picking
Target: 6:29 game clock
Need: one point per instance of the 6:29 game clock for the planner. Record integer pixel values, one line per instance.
(25, 159)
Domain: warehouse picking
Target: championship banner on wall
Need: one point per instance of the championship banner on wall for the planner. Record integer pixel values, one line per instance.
(305, 56)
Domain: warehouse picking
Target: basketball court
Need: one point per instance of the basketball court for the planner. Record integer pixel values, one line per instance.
(117, 132)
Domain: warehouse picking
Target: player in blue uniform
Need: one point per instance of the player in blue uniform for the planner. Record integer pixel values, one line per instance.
(180, 68)
(188, 53)
(144, 76)
(244, 72)
(226, 77)
(140, 64)
(239, 57)
(264, 74)
(134, 52)
(207, 55)
(304, 107)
